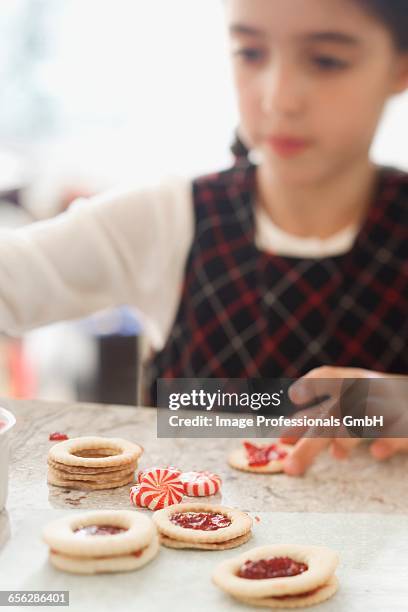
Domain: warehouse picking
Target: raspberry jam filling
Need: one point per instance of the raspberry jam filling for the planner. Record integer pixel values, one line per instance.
(259, 456)
(278, 567)
(58, 436)
(2, 424)
(204, 521)
(103, 530)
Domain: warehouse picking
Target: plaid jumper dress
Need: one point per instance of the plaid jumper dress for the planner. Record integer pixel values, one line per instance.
(246, 313)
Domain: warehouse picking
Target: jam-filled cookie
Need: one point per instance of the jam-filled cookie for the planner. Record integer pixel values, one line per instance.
(259, 458)
(205, 526)
(102, 541)
(281, 576)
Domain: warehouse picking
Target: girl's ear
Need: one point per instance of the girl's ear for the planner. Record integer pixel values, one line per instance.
(401, 74)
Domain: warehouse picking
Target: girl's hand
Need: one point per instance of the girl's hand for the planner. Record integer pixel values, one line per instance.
(328, 382)
(307, 449)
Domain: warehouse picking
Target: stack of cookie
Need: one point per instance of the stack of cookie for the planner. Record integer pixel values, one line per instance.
(102, 541)
(204, 526)
(93, 463)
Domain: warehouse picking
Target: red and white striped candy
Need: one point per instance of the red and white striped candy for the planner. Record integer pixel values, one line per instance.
(170, 468)
(159, 488)
(200, 484)
(135, 496)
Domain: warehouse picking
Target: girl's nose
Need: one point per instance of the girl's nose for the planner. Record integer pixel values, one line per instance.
(283, 90)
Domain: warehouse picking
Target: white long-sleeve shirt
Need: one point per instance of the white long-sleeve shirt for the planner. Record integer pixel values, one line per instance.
(119, 248)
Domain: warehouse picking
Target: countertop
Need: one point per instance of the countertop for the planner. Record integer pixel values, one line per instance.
(338, 495)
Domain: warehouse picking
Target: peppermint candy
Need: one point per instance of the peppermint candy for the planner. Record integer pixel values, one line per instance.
(135, 497)
(200, 484)
(157, 489)
(170, 468)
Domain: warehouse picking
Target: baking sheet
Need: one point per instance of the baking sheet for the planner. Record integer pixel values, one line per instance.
(373, 570)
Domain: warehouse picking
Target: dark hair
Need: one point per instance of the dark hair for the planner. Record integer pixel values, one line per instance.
(238, 148)
(393, 14)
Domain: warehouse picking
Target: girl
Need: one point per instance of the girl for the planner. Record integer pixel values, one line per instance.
(274, 267)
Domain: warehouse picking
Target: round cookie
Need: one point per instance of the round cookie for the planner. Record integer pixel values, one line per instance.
(66, 535)
(288, 575)
(234, 543)
(85, 470)
(119, 563)
(94, 452)
(87, 485)
(239, 459)
(101, 476)
(204, 523)
(297, 601)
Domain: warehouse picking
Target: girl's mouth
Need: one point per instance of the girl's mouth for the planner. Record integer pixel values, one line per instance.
(286, 146)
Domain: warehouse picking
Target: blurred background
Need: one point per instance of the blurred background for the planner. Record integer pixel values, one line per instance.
(96, 94)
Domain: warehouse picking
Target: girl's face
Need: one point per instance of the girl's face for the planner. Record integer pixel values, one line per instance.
(312, 78)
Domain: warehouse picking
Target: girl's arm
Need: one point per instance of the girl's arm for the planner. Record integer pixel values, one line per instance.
(120, 248)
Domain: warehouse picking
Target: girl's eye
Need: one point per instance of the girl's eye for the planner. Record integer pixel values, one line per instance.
(327, 63)
(250, 55)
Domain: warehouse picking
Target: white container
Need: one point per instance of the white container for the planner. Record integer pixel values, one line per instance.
(7, 422)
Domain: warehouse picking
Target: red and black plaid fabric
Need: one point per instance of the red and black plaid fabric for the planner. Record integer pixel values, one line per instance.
(245, 313)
